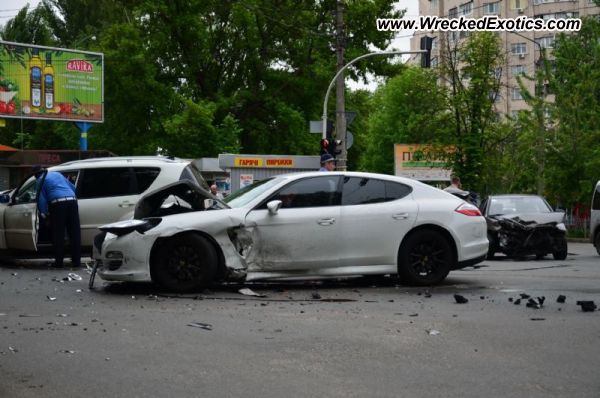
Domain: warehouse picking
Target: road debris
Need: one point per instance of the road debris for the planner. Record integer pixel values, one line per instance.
(250, 292)
(587, 306)
(316, 296)
(537, 319)
(29, 315)
(536, 304)
(51, 298)
(561, 299)
(433, 332)
(460, 299)
(524, 296)
(12, 349)
(205, 326)
(517, 302)
(67, 351)
(74, 276)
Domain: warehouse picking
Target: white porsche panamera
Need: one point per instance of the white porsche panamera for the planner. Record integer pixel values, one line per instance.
(294, 226)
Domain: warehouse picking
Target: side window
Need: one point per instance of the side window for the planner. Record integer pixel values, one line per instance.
(596, 202)
(396, 190)
(360, 191)
(145, 176)
(310, 192)
(106, 182)
(27, 192)
(71, 175)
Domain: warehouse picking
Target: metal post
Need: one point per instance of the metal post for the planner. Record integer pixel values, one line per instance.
(83, 128)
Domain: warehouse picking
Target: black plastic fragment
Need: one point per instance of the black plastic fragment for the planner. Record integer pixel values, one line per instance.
(517, 302)
(460, 299)
(587, 306)
(561, 299)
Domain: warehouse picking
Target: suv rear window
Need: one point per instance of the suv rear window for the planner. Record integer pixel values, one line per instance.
(192, 173)
(106, 182)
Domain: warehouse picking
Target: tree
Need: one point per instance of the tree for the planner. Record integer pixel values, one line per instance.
(472, 69)
(574, 160)
(410, 108)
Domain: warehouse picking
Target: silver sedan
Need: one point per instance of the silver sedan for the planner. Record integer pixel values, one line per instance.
(295, 226)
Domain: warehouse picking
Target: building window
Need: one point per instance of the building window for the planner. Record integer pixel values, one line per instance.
(518, 4)
(546, 42)
(466, 9)
(517, 70)
(491, 8)
(518, 48)
(515, 94)
(453, 13)
(433, 5)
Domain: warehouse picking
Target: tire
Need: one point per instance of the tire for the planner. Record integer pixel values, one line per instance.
(492, 248)
(560, 251)
(425, 258)
(597, 242)
(185, 263)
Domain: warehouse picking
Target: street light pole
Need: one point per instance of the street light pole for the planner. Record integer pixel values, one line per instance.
(339, 73)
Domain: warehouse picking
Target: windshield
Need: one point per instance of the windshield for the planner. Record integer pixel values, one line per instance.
(518, 204)
(243, 196)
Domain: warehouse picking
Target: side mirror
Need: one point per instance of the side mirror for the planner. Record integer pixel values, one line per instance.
(274, 206)
(208, 203)
(4, 198)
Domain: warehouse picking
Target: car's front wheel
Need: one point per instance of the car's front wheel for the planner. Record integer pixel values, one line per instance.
(185, 263)
(560, 251)
(425, 258)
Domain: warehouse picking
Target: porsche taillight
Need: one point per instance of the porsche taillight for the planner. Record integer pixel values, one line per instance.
(468, 210)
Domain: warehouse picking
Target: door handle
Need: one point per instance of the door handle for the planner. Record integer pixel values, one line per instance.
(400, 216)
(326, 221)
(126, 204)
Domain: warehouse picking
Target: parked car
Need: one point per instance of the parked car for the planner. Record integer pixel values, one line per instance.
(595, 218)
(107, 188)
(521, 225)
(294, 226)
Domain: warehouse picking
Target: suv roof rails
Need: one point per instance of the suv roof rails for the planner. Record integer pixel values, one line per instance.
(126, 158)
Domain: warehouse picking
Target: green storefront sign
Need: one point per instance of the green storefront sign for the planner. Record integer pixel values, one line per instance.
(38, 82)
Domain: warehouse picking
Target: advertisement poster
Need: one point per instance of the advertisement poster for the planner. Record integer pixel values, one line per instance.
(412, 161)
(246, 179)
(38, 82)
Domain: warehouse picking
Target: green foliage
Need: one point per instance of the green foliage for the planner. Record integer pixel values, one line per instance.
(473, 73)
(410, 109)
(575, 153)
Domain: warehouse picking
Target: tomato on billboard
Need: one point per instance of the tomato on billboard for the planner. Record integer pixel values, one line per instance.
(38, 82)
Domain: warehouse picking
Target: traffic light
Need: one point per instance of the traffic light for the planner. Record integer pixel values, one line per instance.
(335, 147)
(426, 44)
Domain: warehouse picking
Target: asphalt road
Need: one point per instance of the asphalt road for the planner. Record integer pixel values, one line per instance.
(360, 338)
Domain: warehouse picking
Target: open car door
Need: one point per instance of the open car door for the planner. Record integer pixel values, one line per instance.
(21, 221)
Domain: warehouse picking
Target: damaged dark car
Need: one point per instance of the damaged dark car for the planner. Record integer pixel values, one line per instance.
(524, 225)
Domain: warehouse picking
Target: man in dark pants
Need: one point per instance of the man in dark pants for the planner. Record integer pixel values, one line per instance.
(58, 202)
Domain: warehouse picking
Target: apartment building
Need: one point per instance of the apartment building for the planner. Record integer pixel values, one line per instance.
(522, 48)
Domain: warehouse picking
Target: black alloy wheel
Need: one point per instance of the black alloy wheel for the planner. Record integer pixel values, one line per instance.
(185, 263)
(425, 258)
(560, 251)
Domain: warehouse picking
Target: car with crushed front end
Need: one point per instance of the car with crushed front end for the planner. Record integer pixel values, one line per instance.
(524, 225)
(292, 227)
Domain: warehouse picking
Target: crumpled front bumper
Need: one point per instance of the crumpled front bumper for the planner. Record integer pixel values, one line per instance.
(124, 258)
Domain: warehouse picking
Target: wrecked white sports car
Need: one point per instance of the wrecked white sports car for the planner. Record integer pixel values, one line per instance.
(294, 226)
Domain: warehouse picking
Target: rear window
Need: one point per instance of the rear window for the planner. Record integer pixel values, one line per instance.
(106, 182)
(360, 191)
(192, 173)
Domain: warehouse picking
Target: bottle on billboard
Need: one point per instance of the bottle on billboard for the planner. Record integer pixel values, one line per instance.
(35, 78)
(49, 83)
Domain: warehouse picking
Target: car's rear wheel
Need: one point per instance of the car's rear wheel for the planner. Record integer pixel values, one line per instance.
(185, 263)
(560, 251)
(425, 258)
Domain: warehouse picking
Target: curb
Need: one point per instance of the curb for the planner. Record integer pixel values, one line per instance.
(579, 240)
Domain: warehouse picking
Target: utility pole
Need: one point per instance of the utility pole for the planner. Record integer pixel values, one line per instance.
(340, 100)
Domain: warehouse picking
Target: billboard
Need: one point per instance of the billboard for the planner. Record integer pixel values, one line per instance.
(38, 82)
(413, 161)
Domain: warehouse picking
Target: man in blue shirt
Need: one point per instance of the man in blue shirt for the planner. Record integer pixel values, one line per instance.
(57, 202)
